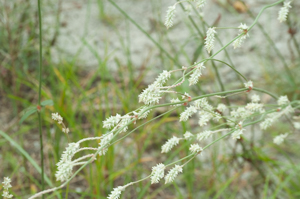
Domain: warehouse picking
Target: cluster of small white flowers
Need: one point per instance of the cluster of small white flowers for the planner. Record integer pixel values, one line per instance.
(267, 122)
(125, 120)
(57, 117)
(115, 194)
(249, 84)
(6, 186)
(237, 134)
(201, 3)
(170, 144)
(186, 95)
(203, 104)
(238, 43)
(65, 165)
(106, 138)
(170, 16)
(152, 94)
(188, 135)
(158, 172)
(112, 121)
(204, 118)
(196, 74)
(280, 138)
(206, 112)
(144, 115)
(283, 100)
(184, 116)
(172, 174)
(241, 113)
(296, 125)
(255, 107)
(66, 130)
(282, 15)
(222, 108)
(195, 148)
(204, 135)
(175, 101)
(255, 98)
(210, 39)
(238, 131)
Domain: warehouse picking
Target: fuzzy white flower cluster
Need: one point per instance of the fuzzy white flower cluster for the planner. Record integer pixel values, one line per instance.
(249, 84)
(210, 39)
(206, 112)
(184, 116)
(152, 94)
(188, 135)
(283, 100)
(196, 74)
(282, 15)
(170, 144)
(111, 121)
(204, 135)
(254, 106)
(240, 113)
(115, 194)
(296, 125)
(170, 16)
(255, 98)
(65, 165)
(280, 138)
(222, 108)
(59, 119)
(142, 113)
(200, 3)
(175, 101)
(172, 9)
(106, 138)
(119, 121)
(238, 131)
(158, 172)
(287, 109)
(172, 174)
(6, 186)
(195, 148)
(238, 42)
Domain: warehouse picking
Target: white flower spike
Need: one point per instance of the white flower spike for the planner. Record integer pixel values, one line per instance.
(158, 172)
(170, 16)
(243, 29)
(282, 15)
(173, 174)
(210, 38)
(280, 138)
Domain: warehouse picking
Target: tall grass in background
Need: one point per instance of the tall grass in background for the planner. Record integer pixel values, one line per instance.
(86, 98)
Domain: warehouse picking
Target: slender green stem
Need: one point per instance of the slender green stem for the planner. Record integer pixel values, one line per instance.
(267, 92)
(281, 57)
(40, 94)
(262, 10)
(231, 68)
(67, 191)
(141, 29)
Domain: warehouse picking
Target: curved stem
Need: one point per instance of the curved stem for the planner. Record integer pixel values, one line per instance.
(40, 95)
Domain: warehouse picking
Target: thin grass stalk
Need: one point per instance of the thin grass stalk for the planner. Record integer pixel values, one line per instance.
(40, 93)
(141, 29)
(287, 69)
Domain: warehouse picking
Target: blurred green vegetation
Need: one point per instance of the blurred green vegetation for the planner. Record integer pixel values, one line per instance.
(85, 97)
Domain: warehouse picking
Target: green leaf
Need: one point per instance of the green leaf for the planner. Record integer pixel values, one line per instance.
(47, 103)
(27, 114)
